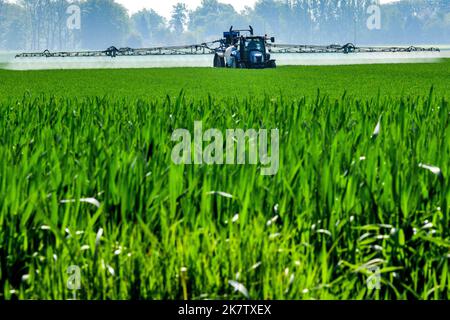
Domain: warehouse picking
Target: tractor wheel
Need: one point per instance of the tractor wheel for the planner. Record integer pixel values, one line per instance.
(219, 62)
(272, 64)
(349, 48)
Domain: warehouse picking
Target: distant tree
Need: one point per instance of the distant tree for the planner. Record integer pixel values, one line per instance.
(134, 40)
(301, 25)
(211, 18)
(61, 38)
(150, 26)
(268, 11)
(3, 30)
(433, 16)
(16, 37)
(179, 18)
(33, 27)
(2, 19)
(12, 28)
(104, 23)
(42, 24)
(141, 24)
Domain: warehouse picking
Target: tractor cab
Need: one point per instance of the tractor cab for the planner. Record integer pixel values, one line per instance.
(254, 52)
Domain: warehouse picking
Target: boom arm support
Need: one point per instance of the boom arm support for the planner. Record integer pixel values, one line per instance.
(213, 47)
(199, 49)
(348, 48)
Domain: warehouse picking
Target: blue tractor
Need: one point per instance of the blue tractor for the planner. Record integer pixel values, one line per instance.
(244, 51)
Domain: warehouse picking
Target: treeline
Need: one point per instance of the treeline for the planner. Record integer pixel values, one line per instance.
(53, 24)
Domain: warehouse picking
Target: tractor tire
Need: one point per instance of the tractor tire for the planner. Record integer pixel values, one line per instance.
(242, 65)
(272, 64)
(219, 62)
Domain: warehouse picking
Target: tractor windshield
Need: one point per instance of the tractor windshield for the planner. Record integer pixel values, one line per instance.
(254, 44)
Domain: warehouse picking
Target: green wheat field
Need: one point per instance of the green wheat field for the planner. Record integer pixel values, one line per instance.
(87, 180)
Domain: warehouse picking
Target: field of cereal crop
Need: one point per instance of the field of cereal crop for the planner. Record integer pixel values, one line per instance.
(87, 179)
